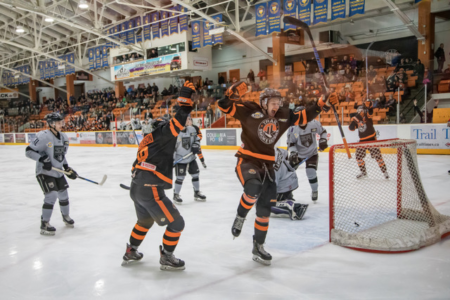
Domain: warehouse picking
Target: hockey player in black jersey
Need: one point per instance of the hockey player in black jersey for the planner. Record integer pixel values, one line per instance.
(152, 174)
(363, 122)
(262, 127)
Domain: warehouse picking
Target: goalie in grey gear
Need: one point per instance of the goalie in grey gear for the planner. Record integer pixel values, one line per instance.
(302, 145)
(49, 150)
(187, 142)
(287, 181)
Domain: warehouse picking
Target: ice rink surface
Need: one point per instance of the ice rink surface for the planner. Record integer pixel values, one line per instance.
(85, 262)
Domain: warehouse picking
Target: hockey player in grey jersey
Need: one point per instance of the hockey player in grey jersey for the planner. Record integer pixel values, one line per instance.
(287, 181)
(49, 150)
(187, 142)
(302, 144)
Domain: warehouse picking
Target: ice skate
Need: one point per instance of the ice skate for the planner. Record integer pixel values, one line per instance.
(169, 262)
(198, 196)
(361, 175)
(386, 175)
(204, 165)
(47, 229)
(260, 255)
(237, 226)
(299, 210)
(177, 199)
(68, 221)
(314, 196)
(131, 255)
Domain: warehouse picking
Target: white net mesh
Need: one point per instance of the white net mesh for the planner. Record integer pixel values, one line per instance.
(377, 213)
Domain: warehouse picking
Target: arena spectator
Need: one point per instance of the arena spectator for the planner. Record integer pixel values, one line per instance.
(440, 57)
(261, 74)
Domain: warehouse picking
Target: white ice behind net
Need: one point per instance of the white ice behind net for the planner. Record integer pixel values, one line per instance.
(381, 214)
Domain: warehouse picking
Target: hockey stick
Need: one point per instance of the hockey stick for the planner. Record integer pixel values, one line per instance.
(305, 27)
(78, 176)
(125, 187)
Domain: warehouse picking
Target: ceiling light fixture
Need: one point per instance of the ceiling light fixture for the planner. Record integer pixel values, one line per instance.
(83, 4)
(20, 29)
(49, 19)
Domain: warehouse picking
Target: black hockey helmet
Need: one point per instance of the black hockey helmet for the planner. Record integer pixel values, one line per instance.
(53, 117)
(267, 94)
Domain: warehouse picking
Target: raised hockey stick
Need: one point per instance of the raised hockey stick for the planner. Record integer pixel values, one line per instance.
(78, 176)
(305, 27)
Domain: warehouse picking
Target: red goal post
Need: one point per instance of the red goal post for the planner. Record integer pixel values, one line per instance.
(376, 214)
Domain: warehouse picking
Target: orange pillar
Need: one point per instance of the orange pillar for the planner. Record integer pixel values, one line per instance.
(70, 87)
(119, 89)
(278, 41)
(426, 28)
(32, 91)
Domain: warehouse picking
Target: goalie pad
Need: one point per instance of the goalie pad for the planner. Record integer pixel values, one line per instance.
(288, 209)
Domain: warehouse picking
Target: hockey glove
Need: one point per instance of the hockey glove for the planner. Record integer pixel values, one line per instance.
(195, 148)
(73, 175)
(236, 91)
(323, 144)
(293, 159)
(186, 92)
(47, 162)
(333, 99)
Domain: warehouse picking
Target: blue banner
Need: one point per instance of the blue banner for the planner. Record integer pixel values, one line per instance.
(137, 25)
(155, 26)
(195, 25)
(98, 57)
(320, 11)
(173, 21)
(290, 9)
(274, 16)
(117, 30)
(207, 39)
(261, 19)
(130, 32)
(52, 69)
(41, 70)
(337, 9)
(91, 59)
(217, 38)
(164, 24)
(123, 32)
(60, 70)
(147, 29)
(46, 70)
(417, 1)
(72, 61)
(183, 19)
(304, 11)
(105, 57)
(357, 7)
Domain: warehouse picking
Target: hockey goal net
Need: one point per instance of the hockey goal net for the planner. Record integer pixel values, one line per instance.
(377, 214)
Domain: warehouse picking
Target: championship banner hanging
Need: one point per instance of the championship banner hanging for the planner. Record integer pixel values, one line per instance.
(98, 57)
(52, 69)
(217, 38)
(195, 25)
(173, 20)
(147, 28)
(357, 7)
(207, 39)
(137, 26)
(320, 11)
(117, 34)
(304, 12)
(91, 59)
(183, 19)
(164, 24)
(105, 57)
(274, 16)
(261, 19)
(337, 9)
(130, 32)
(69, 68)
(155, 25)
(290, 9)
(123, 33)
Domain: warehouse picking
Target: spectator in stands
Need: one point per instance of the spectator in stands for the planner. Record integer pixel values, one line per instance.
(391, 105)
(203, 104)
(372, 73)
(251, 76)
(402, 119)
(353, 63)
(406, 91)
(263, 83)
(440, 57)
(392, 81)
(209, 115)
(428, 79)
(153, 53)
(292, 103)
(349, 75)
(345, 62)
(155, 90)
(165, 92)
(148, 115)
(261, 74)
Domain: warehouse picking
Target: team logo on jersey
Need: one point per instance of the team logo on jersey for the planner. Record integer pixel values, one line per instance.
(268, 130)
(282, 120)
(251, 171)
(306, 139)
(58, 153)
(314, 130)
(186, 143)
(49, 144)
(362, 126)
(257, 115)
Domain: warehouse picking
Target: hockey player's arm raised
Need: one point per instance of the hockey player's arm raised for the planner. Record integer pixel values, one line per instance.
(232, 104)
(308, 114)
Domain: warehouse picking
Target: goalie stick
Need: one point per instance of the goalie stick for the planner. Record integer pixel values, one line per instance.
(78, 176)
(126, 187)
(305, 27)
